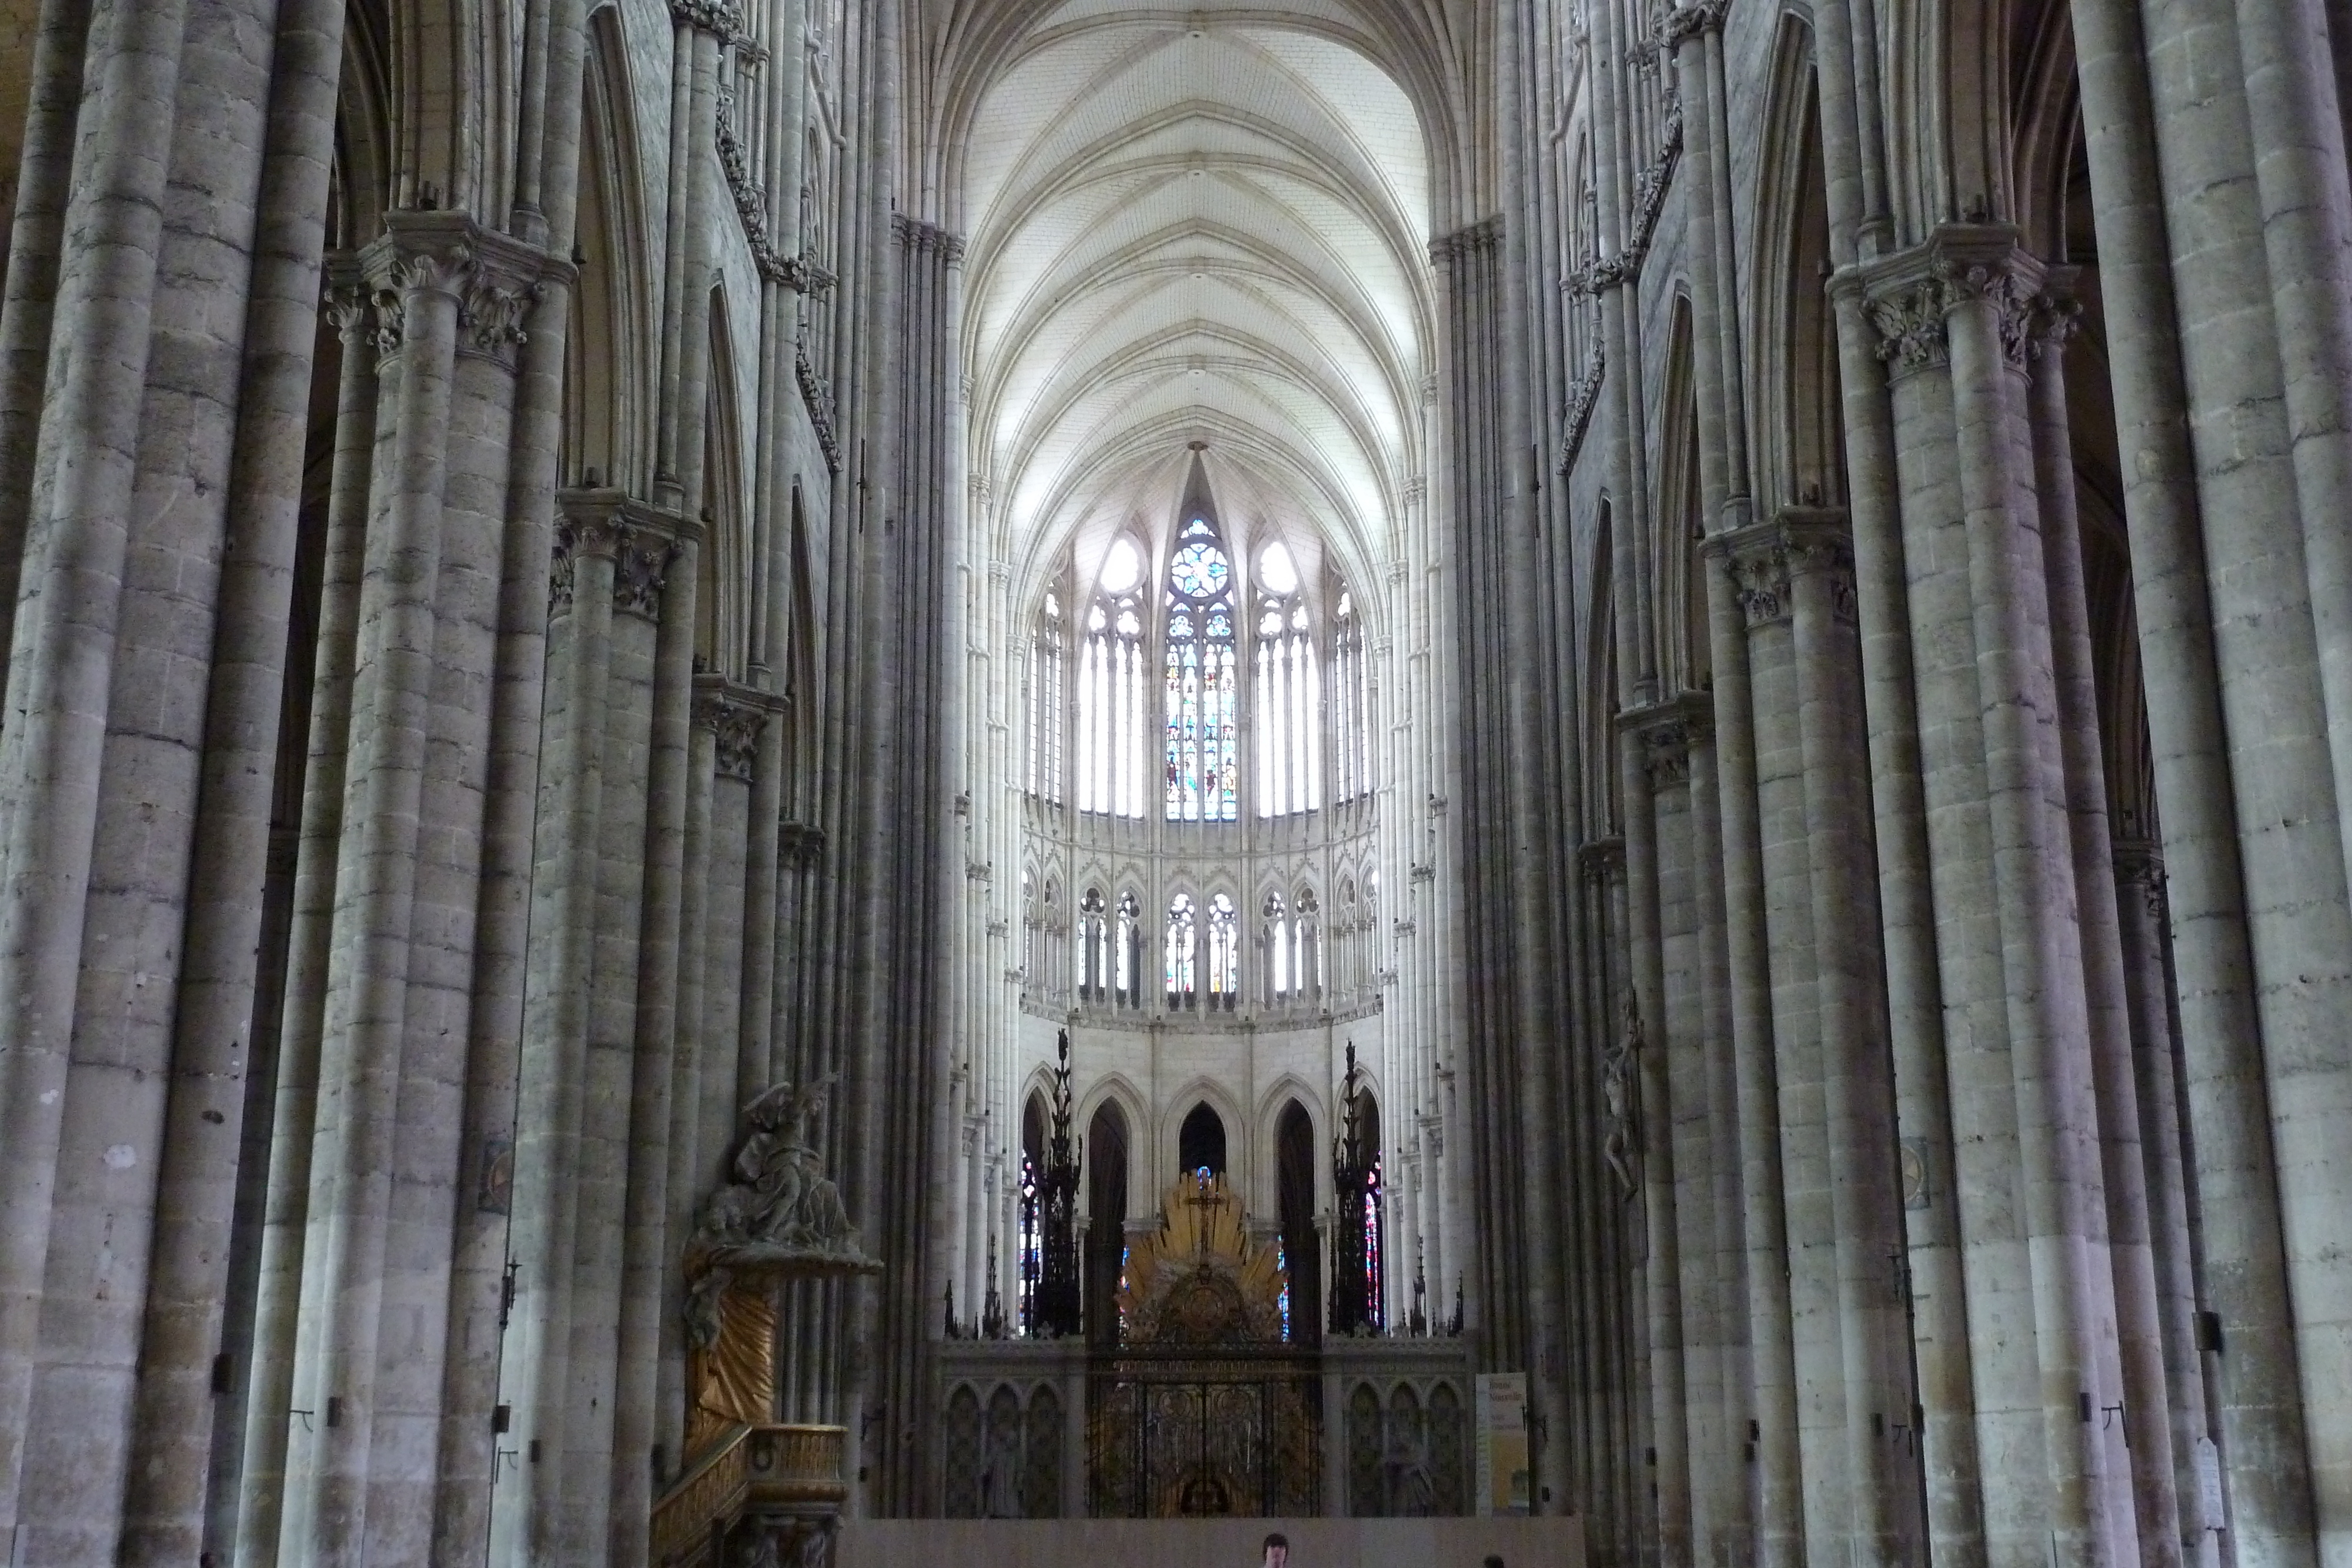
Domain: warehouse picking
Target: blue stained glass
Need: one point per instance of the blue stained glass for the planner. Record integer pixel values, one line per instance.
(1200, 570)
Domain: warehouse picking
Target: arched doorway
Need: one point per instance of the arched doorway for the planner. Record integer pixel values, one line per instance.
(1106, 1142)
(1200, 1143)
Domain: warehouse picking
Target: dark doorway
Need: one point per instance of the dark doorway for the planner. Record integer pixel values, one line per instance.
(1294, 1165)
(1200, 1143)
(1105, 1158)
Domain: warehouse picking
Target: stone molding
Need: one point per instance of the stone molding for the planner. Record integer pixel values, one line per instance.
(800, 845)
(1464, 242)
(640, 539)
(1600, 274)
(1583, 399)
(817, 395)
(926, 238)
(2139, 863)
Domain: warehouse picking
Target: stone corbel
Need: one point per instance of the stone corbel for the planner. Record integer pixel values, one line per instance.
(1602, 861)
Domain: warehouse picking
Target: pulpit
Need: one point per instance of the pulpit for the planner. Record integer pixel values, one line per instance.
(755, 1491)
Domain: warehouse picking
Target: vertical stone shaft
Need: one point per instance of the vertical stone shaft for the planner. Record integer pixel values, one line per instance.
(269, 1389)
(2146, 1416)
(468, 1462)
(1763, 1221)
(423, 1212)
(2004, 1402)
(35, 245)
(1856, 1087)
(360, 1063)
(2154, 1047)
(555, 1016)
(2047, 1030)
(2180, 270)
(164, 1508)
(103, 1207)
(62, 656)
(1943, 1383)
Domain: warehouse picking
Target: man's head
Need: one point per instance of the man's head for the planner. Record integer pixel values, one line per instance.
(1278, 1551)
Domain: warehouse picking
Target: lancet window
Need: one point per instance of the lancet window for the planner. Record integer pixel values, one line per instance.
(1128, 955)
(1046, 702)
(1351, 720)
(1094, 975)
(1111, 689)
(1203, 674)
(1183, 953)
(1276, 938)
(1288, 712)
(1224, 951)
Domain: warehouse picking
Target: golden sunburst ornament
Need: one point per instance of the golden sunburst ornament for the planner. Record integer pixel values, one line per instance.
(1198, 1279)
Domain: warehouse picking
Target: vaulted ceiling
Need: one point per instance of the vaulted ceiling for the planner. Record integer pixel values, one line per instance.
(1201, 224)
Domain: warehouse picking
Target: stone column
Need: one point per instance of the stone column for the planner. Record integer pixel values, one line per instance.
(216, 1055)
(1952, 317)
(1880, 1459)
(555, 1017)
(420, 270)
(76, 539)
(2145, 1417)
(437, 1060)
(269, 1387)
(2192, 352)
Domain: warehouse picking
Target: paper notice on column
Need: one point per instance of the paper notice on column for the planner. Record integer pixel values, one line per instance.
(2209, 1485)
(1504, 1485)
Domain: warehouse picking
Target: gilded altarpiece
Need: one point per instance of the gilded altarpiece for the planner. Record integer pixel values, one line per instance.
(1202, 1410)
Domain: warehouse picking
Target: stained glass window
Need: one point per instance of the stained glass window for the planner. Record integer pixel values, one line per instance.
(1287, 700)
(1127, 957)
(1045, 704)
(1202, 676)
(1224, 951)
(1351, 720)
(1183, 968)
(1277, 948)
(1094, 947)
(1111, 689)
(1374, 1305)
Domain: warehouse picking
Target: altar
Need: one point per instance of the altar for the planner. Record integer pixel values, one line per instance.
(1202, 1407)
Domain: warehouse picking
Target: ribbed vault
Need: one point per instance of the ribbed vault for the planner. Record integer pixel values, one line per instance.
(1209, 225)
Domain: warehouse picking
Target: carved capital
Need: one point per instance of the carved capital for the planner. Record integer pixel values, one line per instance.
(2139, 867)
(1665, 732)
(491, 319)
(1602, 861)
(640, 571)
(1910, 325)
(1691, 21)
(344, 299)
(738, 741)
(1912, 295)
(722, 18)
